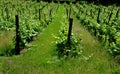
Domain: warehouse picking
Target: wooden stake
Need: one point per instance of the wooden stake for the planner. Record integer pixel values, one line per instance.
(70, 12)
(79, 11)
(98, 18)
(39, 14)
(117, 14)
(70, 30)
(110, 16)
(17, 46)
(67, 13)
(7, 13)
(50, 12)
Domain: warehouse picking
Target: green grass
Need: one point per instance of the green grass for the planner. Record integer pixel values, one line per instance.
(6, 37)
(100, 62)
(39, 54)
(6, 40)
(39, 58)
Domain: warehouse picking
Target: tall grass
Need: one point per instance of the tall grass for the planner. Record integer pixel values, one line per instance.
(6, 42)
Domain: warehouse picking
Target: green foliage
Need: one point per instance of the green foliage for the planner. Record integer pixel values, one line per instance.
(38, 59)
(107, 30)
(63, 48)
(28, 29)
(29, 22)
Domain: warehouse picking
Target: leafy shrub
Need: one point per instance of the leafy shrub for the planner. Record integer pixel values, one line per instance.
(63, 48)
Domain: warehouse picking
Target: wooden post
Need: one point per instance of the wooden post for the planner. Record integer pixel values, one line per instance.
(7, 14)
(67, 13)
(104, 10)
(17, 46)
(110, 16)
(39, 14)
(91, 13)
(45, 19)
(50, 12)
(57, 8)
(86, 14)
(36, 12)
(37, 0)
(98, 17)
(117, 14)
(70, 12)
(70, 30)
(79, 11)
(111, 13)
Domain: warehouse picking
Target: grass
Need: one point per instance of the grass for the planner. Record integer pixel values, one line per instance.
(39, 54)
(39, 58)
(6, 40)
(100, 61)
(6, 37)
